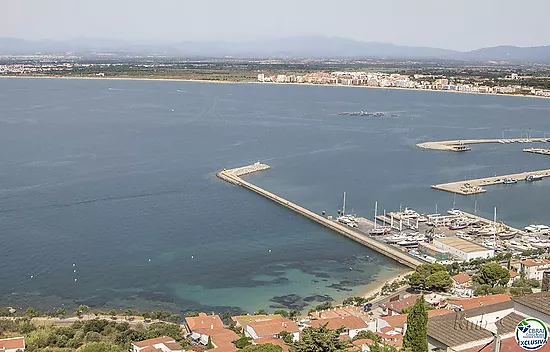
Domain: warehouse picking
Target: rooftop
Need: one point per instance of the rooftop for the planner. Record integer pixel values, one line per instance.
(461, 278)
(536, 301)
(242, 320)
(274, 341)
(151, 342)
(535, 262)
(273, 327)
(462, 244)
(204, 323)
(339, 312)
(398, 306)
(13, 343)
(480, 301)
(506, 345)
(453, 330)
(509, 323)
(350, 322)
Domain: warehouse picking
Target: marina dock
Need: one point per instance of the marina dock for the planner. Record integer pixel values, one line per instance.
(233, 176)
(475, 186)
(463, 144)
(537, 151)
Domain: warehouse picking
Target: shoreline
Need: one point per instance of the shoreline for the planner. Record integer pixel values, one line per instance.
(267, 83)
(379, 284)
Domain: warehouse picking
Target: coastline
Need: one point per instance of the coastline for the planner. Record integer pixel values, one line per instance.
(267, 83)
(378, 284)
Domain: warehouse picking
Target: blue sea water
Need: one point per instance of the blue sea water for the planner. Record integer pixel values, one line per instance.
(108, 194)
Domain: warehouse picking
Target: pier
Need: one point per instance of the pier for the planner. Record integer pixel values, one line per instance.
(537, 151)
(233, 176)
(463, 144)
(475, 186)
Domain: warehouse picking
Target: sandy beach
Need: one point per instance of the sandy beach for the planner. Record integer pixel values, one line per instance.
(377, 286)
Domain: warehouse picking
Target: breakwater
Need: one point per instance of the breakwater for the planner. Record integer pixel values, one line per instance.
(233, 176)
(475, 186)
(462, 145)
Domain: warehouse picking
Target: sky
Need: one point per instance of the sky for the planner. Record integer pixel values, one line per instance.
(459, 24)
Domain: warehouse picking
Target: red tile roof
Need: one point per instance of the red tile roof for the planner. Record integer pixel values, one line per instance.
(535, 262)
(13, 343)
(513, 274)
(461, 278)
(398, 306)
(396, 321)
(151, 342)
(350, 322)
(481, 301)
(212, 325)
(273, 327)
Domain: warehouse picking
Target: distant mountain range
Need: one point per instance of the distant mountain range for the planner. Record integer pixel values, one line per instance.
(295, 47)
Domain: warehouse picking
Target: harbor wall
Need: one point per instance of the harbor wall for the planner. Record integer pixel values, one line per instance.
(381, 248)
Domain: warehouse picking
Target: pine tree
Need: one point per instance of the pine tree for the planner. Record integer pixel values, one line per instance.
(416, 336)
(210, 345)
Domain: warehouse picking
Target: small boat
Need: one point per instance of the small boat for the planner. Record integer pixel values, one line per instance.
(507, 235)
(380, 230)
(408, 243)
(534, 177)
(458, 225)
(509, 181)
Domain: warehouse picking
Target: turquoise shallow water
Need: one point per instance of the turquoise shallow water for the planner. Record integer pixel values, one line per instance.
(104, 175)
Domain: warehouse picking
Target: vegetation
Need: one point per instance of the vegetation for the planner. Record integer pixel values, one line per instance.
(265, 347)
(320, 339)
(242, 342)
(415, 338)
(358, 301)
(433, 277)
(492, 274)
(286, 336)
(322, 306)
(367, 334)
(377, 347)
(95, 335)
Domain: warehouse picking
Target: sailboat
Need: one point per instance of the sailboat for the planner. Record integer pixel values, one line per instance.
(454, 211)
(378, 230)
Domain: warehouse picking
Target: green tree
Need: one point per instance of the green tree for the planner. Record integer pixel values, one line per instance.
(281, 312)
(242, 342)
(192, 314)
(367, 334)
(417, 328)
(286, 336)
(439, 281)
(265, 347)
(129, 312)
(31, 313)
(378, 347)
(82, 310)
(492, 274)
(320, 339)
(261, 312)
(209, 345)
(419, 278)
(61, 313)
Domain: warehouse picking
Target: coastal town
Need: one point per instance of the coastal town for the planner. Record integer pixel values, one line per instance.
(396, 80)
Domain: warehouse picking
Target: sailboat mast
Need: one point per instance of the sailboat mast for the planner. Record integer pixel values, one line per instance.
(344, 205)
(375, 212)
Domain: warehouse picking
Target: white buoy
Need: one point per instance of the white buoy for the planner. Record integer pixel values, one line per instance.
(149, 259)
(192, 257)
(32, 276)
(172, 110)
(74, 264)
(270, 251)
(74, 279)
(74, 271)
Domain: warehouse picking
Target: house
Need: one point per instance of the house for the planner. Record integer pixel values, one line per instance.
(362, 345)
(257, 329)
(159, 344)
(13, 344)
(514, 276)
(534, 268)
(205, 327)
(353, 325)
(454, 332)
(477, 302)
(242, 320)
(462, 285)
(395, 307)
(535, 305)
(340, 312)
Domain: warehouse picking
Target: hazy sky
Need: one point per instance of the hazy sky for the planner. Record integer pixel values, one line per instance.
(457, 24)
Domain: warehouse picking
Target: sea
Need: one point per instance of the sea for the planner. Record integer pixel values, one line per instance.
(108, 193)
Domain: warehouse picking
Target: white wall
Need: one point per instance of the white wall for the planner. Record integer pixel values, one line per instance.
(353, 332)
(487, 321)
(464, 255)
(531, 313)
(250, 332)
